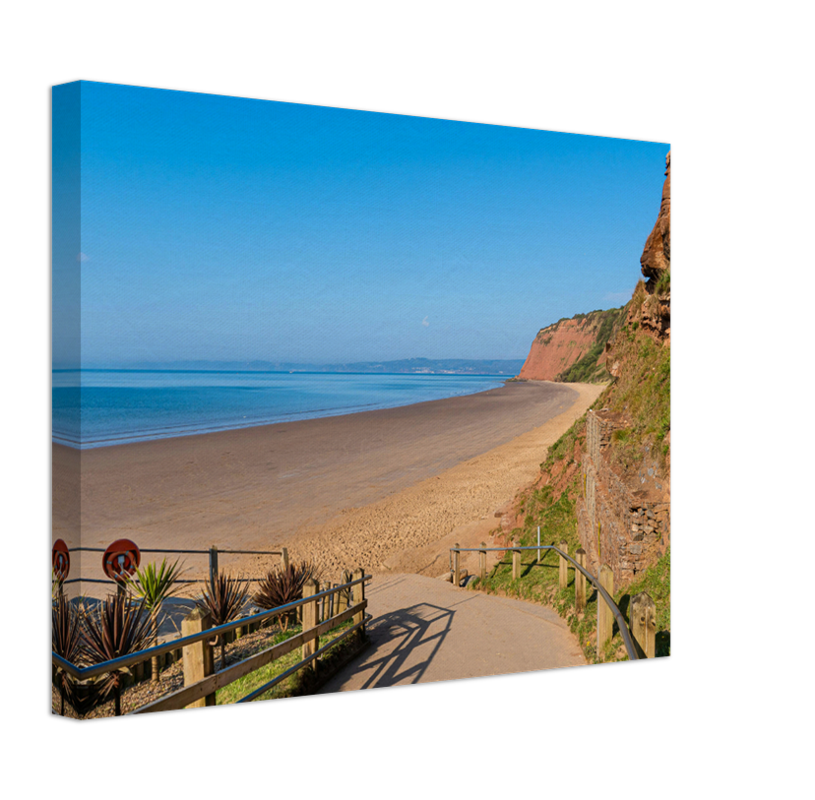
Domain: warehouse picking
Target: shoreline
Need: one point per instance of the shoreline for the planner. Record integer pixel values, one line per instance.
(183, 430)
(301, 484)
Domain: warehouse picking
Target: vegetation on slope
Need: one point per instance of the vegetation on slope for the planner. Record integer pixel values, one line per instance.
(641, 392)
(587, 369)
(300, 682)
(552, 507)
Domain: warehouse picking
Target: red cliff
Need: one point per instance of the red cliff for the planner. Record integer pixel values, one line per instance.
(654, 314)
(656, 255)
(556, 348)
(568, 350)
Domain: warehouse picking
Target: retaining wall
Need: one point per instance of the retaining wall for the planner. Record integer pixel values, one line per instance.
(624, 527)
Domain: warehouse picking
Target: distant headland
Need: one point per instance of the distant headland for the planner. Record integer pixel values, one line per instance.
(420, 366)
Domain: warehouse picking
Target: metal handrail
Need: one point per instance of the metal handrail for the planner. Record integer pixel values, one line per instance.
(609, 600)
(84, 673)
(174, 552)
(184, 552)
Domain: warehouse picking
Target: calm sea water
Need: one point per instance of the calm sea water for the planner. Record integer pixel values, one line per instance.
(95, 408)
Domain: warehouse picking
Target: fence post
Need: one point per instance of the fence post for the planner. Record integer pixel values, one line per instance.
(359, 596)
(539, 544)
(580, 582)
(516, 562)
(342, 594)
(482, 563)
(213, 565)
(563, 567)
(197, 657)
(456, 565)
(284, 558)
(643, 616)
(605, 619)
(310, 645)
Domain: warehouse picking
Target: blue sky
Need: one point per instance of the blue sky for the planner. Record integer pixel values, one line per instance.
(230, 229)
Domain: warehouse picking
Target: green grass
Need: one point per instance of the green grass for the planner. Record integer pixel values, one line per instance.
(563, 448)
(538, 583)
(293, 685)
(642, 392)
(656, 580)
(663, 285)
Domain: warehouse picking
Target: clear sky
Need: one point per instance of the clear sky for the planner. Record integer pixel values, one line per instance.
(229, 229)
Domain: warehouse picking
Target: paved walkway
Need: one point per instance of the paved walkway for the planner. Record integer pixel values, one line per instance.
(426, 630)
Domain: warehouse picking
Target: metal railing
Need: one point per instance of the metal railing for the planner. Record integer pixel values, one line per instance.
(628, 641)
(212, 552)
(182, 697)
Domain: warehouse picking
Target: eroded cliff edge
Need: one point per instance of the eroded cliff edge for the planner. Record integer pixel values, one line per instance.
(570, 349)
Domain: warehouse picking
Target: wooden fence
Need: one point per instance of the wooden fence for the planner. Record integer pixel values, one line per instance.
(322, 611)
(639, 641)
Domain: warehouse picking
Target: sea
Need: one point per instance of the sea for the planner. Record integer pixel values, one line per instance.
(102, 407)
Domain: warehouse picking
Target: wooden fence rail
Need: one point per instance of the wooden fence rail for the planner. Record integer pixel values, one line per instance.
(202, 682)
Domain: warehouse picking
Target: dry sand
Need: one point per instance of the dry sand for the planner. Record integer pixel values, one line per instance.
(382, 489)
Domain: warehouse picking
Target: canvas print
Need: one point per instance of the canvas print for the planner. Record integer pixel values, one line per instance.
(346, 400)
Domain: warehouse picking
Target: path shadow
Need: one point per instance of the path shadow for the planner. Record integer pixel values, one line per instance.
(419, 626)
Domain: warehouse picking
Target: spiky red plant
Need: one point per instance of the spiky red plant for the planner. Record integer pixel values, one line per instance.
(67, 642)
(283, 586)
(224, 599)
(116, 627)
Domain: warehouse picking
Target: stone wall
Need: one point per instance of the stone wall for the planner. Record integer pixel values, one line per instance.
(626, 528)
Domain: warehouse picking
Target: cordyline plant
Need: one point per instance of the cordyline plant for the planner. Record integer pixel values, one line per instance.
(283, 586)
(56, 584)
(155, 585)
(116, 627)
(224, 599)
(67, 642)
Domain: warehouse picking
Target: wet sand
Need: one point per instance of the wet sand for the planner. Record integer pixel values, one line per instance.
(362, 488)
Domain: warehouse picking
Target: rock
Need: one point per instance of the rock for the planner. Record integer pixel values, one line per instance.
(446, 576)
(656, 256)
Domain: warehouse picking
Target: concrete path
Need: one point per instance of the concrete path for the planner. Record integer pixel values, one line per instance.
(426, 630)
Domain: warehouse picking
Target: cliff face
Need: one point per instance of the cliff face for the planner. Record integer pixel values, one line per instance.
(652, 311)
(624, 512)
(615, 464)
(656, 256)
(560, 347)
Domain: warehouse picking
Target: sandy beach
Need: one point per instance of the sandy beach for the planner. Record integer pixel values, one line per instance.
(383, 489)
